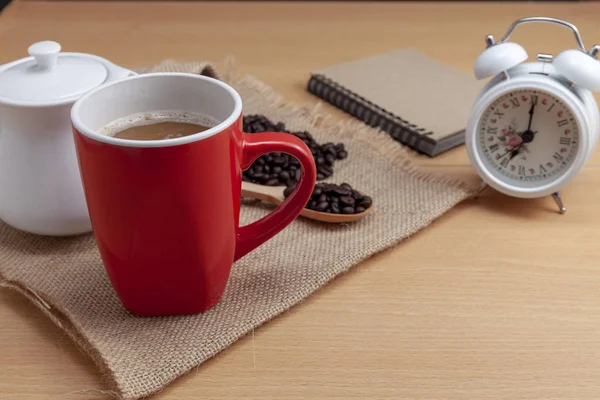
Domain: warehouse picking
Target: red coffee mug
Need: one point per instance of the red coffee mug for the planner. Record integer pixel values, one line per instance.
(165, 213)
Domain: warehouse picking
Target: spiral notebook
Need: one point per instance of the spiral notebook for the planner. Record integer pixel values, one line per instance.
(419, 101)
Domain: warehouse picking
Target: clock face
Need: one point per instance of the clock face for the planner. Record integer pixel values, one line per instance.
(528, 137)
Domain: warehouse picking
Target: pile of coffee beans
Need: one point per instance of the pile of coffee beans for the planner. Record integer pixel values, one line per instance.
(335, 199)
(279, 169)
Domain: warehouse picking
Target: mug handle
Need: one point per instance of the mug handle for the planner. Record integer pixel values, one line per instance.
(251, 236)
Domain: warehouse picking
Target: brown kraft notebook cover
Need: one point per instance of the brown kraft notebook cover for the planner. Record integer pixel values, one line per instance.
(419, 101)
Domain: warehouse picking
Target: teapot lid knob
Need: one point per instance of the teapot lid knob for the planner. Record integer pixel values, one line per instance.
(45, 53)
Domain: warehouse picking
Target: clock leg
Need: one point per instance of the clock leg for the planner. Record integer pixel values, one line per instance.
(561, 207)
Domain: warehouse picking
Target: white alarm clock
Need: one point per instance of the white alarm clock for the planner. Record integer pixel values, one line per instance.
(535, 124)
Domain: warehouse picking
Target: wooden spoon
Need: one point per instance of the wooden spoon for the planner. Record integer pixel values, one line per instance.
(274, 195)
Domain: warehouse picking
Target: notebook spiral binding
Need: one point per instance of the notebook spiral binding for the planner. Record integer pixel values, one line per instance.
(371, 114)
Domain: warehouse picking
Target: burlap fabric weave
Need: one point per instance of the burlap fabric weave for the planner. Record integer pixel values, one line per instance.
(65, 277)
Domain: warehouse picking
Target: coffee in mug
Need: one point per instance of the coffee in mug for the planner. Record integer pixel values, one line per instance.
(158, 125)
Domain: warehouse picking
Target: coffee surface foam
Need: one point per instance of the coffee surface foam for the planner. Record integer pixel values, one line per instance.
(153, 117)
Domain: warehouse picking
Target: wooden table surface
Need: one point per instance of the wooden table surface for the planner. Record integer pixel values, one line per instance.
(498, 299)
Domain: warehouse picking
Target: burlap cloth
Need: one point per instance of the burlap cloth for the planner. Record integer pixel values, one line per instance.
(65, 277)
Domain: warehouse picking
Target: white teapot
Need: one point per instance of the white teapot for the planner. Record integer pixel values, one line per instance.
(40, 184)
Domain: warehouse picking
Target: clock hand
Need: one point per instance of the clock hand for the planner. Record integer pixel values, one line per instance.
(531, 111)
(514, 153)
(502, 156)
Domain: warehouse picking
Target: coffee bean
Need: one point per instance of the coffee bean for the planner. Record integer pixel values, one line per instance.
(342, 155)
(272, 182)
(347, 200)
(366, 202)
(329, 188)
(322, 198)
(279, 160)
(267, 168)
(320, 160)
(348, 210)
(346, 186)
(260, 161)
(312, 204)
(356, 195)
(320, 176)
(329, 159)
(298, 174)
(288, 190)
(322, 206)
(276, 170)
(317, 191)
(359, 209)
(342, 191)
(284, 175)
(335, 209)
(325, 169)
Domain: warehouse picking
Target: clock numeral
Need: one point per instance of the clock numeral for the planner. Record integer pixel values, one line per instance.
(565, 140)
(515, 102)
(551, 107)
(498, 113)
(492, 130)
(562, 122)
(521, 170)
(504, 161)
(542, 169)
(534, 99)
(494, 147)
(558, 157)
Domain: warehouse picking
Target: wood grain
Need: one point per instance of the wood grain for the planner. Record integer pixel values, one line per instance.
(498, 299)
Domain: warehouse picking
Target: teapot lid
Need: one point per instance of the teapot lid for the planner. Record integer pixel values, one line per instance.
(49, 76)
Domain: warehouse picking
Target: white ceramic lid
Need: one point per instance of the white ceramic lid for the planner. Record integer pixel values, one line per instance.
(49, 76)
(498, 58)
(580, 68)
